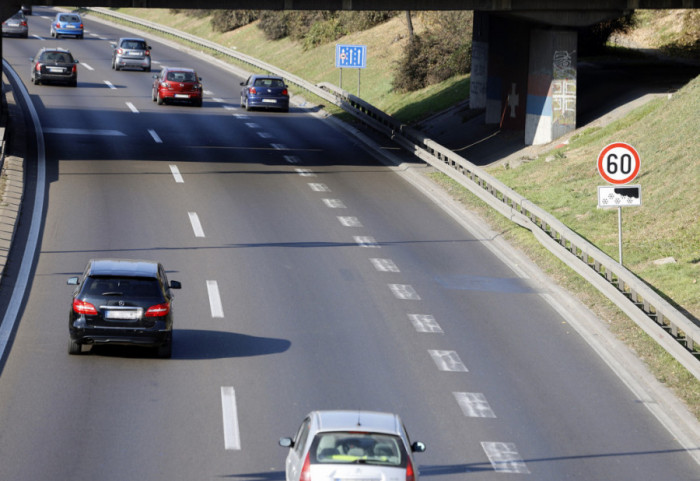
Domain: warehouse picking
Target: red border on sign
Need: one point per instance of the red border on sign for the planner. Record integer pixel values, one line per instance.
(607, 149)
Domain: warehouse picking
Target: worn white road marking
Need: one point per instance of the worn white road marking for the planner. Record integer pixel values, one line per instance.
(366, 241)
(448, 361)
(350, 221)
(83, 64)
(504, 458)
(404, 291)
(319, 187)
(384, 265)
(176, 174)
(217, 309)
(278, 146)
(132, 107)
(196, 225)
(305, 172)
(232, 436)
(110, 85)
(61, 131)
(155, 136)
(265, 135)
(425, 323)
(230, 107)
(291, 159)
(208, 93)
(334, 203)
(252, 125)
(241, 116)
(474, 405)
(217, 99)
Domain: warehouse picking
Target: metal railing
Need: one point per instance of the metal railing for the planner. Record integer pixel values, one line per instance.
(664, 323)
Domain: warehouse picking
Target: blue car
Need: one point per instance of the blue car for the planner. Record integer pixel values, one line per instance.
(67, 24)
(266, 92)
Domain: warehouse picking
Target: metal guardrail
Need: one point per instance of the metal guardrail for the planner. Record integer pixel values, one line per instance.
(676, 333)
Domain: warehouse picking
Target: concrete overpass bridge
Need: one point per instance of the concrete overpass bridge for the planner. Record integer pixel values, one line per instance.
(524, 52)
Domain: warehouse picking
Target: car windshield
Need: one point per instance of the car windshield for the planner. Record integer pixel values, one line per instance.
(69, 18)
(268, 82)
(362, 448)
(132, 287)
(181, 76)
(57, 57)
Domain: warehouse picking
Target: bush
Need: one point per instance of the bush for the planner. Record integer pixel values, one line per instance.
(274, 25)
(226, 20)
(323, 32)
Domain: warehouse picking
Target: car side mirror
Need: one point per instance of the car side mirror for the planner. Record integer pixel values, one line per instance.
(76, 61)
(418, 447)
(242, 83)
(175, 285)
(286, 442)
(73, 281)
(155, 76)
(149, 47)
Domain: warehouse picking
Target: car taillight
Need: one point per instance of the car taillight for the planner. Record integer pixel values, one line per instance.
(24, 23)
(158, 310)
(410, 476)
(284, 92)
(253, 91)
(120, 51)
(306, 469)
(58, 25)
(81, 25)
(82, 307)
(38, 67)
(75, 68)
(147, 53)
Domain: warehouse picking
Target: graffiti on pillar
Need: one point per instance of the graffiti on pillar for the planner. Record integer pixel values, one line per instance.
(513, 101)
(479, 74)
(564, 88)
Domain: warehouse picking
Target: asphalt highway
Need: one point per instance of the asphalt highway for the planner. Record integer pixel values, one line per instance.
(314, 277)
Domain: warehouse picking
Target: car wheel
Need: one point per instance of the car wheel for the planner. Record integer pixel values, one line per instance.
(75, 347)
(74, 83)
(153, 95)
(247, 106)
(37, 81)
(197, 103)
(80, 36)
(160, 100)
(147, 69)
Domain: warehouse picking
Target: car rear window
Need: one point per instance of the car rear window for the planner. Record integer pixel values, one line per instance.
(134, 44)
(369, 448)
(181, 76)
(268, 82)
(122, 286)
(69, 18)
(58, 57)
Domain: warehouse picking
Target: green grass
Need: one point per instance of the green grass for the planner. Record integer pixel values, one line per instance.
(665, 132)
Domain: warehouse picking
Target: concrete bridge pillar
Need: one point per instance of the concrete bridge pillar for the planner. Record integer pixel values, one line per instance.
(551, 92)
(524, 76)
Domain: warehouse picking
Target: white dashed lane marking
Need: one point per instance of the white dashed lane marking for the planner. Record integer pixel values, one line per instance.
(132, 107)
(334, 203)
(291, 159)
(504, 458)
(155, 136)
(319, 187)
(217, 309)
(278, 146)
(176, 174)
(110, 85)
(404, 291)
(252, 125)
(232, 437)
(384, 265)
(349, 221)
(107, 133)
(366, 241)
(86, 66)
(425, 323)
(474, 405)
(448, 361)
(196, 225)
(305, 172)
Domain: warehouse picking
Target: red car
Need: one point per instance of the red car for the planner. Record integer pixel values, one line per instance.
(175, 84)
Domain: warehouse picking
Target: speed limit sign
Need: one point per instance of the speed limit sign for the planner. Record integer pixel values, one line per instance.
(618, 163)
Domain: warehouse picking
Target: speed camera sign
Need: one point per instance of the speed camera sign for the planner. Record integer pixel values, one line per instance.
(618, 163)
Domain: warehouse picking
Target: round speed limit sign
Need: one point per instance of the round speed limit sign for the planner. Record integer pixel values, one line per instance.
(618, 163)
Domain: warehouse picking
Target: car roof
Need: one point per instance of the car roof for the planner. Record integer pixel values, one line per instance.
(131, 38)
(59, 14)
(178, 69)
(360, 421)
(123, 267)
(258, 75)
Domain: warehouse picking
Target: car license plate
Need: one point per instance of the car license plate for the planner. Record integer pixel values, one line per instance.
(56, 69)
(134, 53)
(123, 315)
(13, 24)
(70, 26)
(182, 96)
(269, 101)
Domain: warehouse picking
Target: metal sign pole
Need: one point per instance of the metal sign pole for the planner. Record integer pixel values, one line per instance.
(358, 81)
(341, 79)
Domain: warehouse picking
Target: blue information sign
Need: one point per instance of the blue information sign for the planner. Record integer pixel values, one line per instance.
(351, 56)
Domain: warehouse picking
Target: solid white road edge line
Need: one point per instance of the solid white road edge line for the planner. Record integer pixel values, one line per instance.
(232, 437)
(10, 319)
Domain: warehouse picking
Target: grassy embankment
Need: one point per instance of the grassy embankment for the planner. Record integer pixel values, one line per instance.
(563, 181)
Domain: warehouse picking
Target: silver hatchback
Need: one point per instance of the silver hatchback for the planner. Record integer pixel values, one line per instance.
(131, 53)
(332, 445)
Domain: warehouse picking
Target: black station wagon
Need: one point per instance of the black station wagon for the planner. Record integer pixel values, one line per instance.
(122, 301)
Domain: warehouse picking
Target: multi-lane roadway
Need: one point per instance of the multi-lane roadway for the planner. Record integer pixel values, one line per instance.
(314, 277)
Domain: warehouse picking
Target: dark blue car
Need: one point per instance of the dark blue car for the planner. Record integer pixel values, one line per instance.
(265, 92)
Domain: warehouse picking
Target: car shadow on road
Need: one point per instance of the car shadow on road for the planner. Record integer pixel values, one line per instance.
(193, 344)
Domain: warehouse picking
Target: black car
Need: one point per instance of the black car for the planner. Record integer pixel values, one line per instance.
(54, 65)
(265, 92)
(122, 301)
